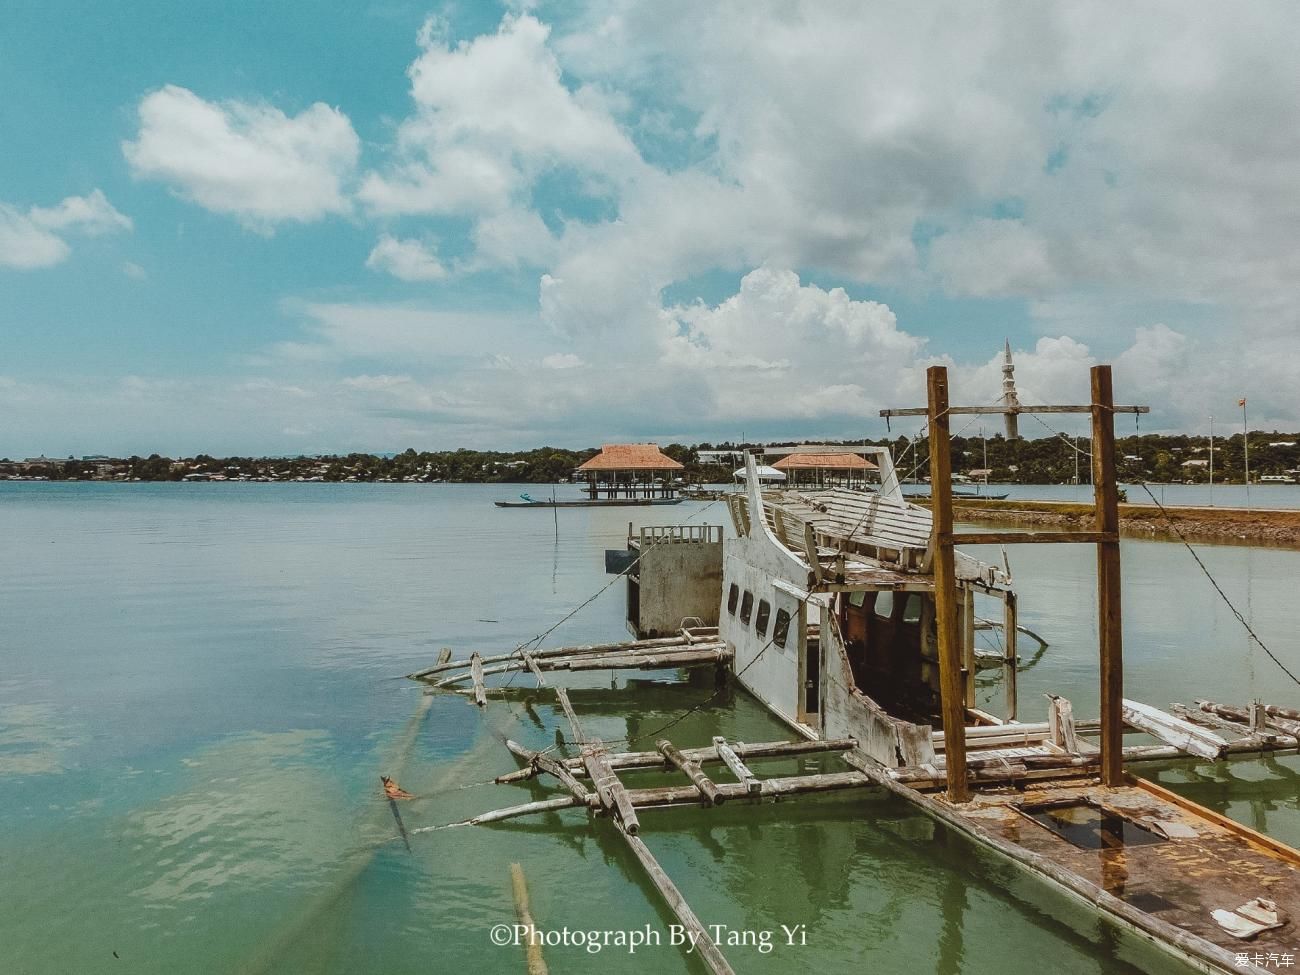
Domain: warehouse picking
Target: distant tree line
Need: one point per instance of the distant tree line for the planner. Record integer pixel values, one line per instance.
(1047, 460)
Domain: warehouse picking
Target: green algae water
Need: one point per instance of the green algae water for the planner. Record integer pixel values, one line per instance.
(198, 695)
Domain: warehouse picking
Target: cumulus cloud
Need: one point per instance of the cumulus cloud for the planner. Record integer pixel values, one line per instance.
(409, 260)
(490, 114)
(251, 161)
(35, 238)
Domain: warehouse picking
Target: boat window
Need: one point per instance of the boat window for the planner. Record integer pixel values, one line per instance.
(858, 597)
(733, 595)
(782, 629)
(764, 611)
(746, 606)
(885, 604)
(912, 609)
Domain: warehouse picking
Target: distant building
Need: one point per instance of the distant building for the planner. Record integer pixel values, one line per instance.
(721, 457)
(841, 469)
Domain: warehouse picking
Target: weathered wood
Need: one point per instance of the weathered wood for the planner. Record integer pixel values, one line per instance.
(444, 655)
(1110, 629)
(1028, 538)
(544, 763)
(1276, 718)
(632, 761)
(774, 788)
(449, 664)
(1088, 893)
(1060, 721)
(704, 945)
(476, 672)
(706, 787)
(578, 734)
(610, 790)
(532, 946)
(992, 410)
(738, 768)
(593, 661)
(509, 812)
(1009, 672)
(531, 664)
(951, 682)
(651, 661)
(1181, 734)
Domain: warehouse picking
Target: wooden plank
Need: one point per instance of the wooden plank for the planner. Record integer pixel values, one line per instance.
(476, 672)
(703, 784)
(1060, 723)
(1028, 538)
(705, 947)
(449, 664)
(1183, 735)
(997, 410)
(1217, 958)
(582, 661)
(1110, 627)
(738, 768)
(951, 689)
(532, 946)
(444, 655)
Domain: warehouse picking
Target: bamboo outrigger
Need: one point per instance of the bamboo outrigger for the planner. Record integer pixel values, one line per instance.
(851, 617)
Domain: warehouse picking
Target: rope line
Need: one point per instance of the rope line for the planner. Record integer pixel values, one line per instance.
(1217, 588)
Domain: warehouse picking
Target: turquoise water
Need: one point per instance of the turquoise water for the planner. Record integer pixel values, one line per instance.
(198, 695)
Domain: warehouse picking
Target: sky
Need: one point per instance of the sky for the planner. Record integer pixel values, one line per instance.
(252, 228)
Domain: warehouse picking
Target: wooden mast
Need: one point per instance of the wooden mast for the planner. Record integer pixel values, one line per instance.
(952, 692)
(1109, 619)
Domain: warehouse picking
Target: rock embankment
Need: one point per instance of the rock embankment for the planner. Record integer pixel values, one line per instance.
(1262, 526)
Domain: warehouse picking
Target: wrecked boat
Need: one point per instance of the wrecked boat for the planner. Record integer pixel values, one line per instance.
(852, 617)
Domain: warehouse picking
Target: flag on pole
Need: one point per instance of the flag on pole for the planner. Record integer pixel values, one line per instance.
(1241, 402)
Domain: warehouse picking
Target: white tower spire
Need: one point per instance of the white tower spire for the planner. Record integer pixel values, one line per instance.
(1009, 398)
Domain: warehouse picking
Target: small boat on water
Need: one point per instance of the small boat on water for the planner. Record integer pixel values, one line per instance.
(528, 502)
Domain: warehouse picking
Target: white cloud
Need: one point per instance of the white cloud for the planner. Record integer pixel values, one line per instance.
(134, 271)
(993, 258)
(489, 115)
(409, 260)
(34, 239)
(251, 161)
(562, 360)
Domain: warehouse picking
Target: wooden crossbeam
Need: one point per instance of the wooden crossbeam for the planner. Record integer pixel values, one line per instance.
(738, 768)
(707, 789)
(1000, 410)
(1023, 538)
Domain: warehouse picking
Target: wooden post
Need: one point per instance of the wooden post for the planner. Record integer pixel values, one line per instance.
(1009, 625)
(952, 692)
(532, 946)
(476, 672)
(1109, 618)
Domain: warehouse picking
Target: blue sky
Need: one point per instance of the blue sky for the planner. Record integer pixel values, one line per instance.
(248, 228)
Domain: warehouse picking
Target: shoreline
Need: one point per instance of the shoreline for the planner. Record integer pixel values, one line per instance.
(1275, 527)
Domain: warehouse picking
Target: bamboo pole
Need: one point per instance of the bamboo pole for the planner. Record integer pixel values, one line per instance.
(631, 761)
(706, 787)
(532, 947)
(544, 764)
(448, 664)
(1109, 617)
(595, 758)
(704, 945)
(952, 693)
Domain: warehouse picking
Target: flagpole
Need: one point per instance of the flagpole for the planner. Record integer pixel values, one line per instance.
(1245, 448)
(1211, 460)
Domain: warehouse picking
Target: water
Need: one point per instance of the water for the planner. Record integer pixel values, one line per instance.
(197, 699)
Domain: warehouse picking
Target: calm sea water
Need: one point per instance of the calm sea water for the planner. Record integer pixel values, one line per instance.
(198, 695)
